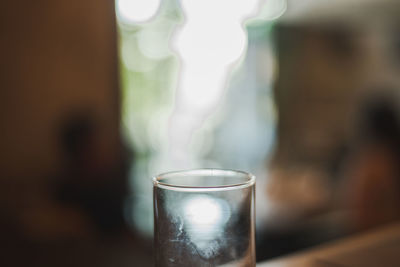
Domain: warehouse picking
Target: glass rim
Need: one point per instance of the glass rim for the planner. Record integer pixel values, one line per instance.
(249, 181)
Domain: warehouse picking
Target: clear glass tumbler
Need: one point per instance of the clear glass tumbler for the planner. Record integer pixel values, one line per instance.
(204, 218)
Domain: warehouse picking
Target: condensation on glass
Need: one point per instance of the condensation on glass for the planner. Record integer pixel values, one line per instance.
(204, 218)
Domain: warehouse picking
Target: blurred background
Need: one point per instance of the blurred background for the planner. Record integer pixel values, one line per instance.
(99, 96)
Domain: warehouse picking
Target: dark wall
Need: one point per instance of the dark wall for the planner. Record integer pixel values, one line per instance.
(59, 108)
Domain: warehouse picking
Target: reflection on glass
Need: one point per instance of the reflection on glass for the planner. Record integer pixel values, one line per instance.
(204, 218)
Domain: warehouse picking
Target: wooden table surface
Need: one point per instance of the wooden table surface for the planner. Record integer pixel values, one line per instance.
(379, 247)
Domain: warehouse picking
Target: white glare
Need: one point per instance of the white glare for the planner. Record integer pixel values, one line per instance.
(205, 219)
(210, 41)
(131, 11)
(203, 210)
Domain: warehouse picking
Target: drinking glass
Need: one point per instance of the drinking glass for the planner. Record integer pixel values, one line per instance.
(204, 217)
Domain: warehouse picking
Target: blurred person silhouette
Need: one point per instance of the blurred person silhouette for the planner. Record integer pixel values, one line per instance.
(94, 179)
(372, 170)
(85, 197)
